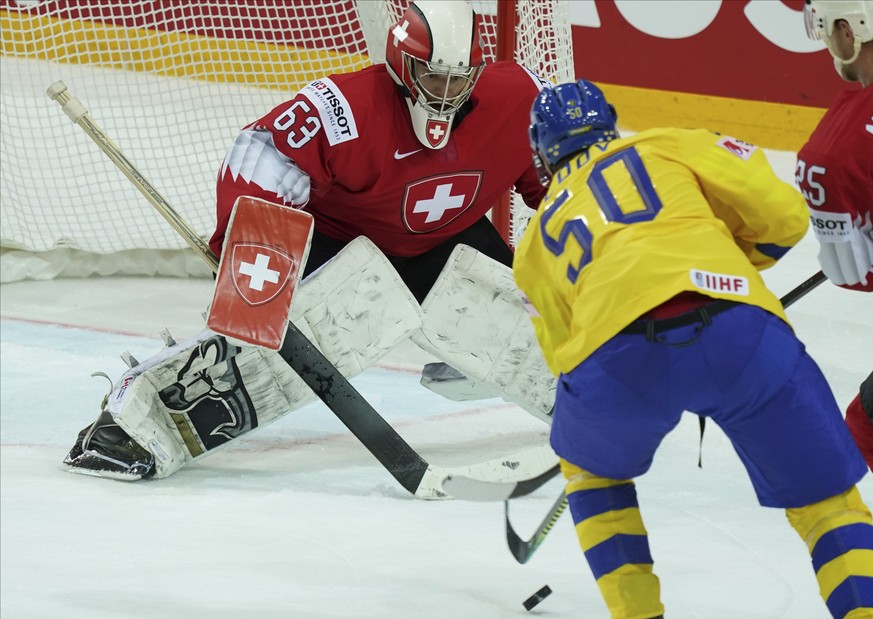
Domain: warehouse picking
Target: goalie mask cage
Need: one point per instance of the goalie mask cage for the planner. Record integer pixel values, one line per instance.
(172, 83)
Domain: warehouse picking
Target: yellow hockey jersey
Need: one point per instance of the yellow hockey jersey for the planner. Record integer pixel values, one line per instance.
(629, 224)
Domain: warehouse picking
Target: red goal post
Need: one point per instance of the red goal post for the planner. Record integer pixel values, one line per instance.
(173, 82)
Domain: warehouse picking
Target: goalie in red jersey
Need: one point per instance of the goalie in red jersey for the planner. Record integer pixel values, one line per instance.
(835, 172)
(411, 153)
(398, 164)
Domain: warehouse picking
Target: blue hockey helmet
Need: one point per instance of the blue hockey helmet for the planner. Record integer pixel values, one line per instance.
(569, 118)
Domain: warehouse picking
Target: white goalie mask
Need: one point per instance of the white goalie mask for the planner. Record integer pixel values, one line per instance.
(820, 15)
(435, 54)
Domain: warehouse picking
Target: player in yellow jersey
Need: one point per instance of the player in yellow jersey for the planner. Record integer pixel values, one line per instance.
(641, 269)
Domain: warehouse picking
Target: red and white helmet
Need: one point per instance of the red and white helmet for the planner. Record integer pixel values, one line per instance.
(820, 16)
(435, 54)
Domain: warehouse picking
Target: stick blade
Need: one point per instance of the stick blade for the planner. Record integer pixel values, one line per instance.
(522, 549)
(467, 488)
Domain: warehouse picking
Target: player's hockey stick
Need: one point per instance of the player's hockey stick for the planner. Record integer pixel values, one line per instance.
(402, 461)
(523, 549)
(802, 289)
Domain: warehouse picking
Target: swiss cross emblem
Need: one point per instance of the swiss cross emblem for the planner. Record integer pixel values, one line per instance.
(434, 202)
(260, 272)
(436, 131)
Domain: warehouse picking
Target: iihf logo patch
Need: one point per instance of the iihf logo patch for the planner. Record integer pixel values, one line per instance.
(720, 282)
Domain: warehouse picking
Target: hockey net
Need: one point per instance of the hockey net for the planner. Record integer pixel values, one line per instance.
(172, 83)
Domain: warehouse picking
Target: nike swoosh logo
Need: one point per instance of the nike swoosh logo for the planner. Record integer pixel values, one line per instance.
(399, 155)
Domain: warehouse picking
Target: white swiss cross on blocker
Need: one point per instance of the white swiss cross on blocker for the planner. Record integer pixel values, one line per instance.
(259, 272)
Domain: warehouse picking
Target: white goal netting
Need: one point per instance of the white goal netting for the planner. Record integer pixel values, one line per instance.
(171, 83)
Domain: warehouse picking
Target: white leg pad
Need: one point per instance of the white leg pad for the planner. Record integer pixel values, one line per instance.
(475, 321)
(356, 308)
(200, 394)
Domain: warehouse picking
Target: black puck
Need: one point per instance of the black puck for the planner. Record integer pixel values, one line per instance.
(537, 597)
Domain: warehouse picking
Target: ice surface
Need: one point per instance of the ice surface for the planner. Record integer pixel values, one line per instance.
(298, 520)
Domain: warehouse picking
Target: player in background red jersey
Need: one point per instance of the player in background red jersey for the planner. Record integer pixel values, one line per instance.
(411, 154)
(835, 171)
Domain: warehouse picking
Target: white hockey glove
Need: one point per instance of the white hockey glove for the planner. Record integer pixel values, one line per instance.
(846, 252)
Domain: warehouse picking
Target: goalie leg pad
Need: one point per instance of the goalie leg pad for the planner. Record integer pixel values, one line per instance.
(201, 394)
(356, 308)
(474, 320)
(201, 398)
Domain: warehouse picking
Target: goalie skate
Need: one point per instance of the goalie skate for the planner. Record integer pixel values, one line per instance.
(103, 449)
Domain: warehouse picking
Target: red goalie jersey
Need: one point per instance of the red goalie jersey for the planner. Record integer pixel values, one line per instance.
(369, 174)
(835, 175)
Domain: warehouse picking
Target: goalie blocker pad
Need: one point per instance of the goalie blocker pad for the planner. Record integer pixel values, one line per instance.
(474, 320)
(198, 395)
(263, 258)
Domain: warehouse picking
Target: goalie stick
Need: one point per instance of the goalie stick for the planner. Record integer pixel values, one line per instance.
(470, 489)
(412, 471)
(523, 549)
